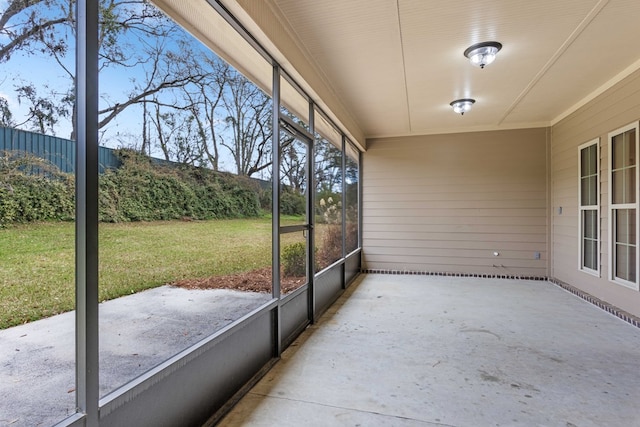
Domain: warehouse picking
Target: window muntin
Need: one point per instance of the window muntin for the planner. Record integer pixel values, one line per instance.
(589, 207)
(623, 206)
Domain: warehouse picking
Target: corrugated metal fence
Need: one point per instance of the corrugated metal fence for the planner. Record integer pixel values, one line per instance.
(62, 152)
(59, 151)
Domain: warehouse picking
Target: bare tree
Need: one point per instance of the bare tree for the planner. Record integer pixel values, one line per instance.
(32, 27)
(328, 166)
(218, 109)
(293, 164)
(133, 33)
(205, 102)
(249, 124)
(177, 134)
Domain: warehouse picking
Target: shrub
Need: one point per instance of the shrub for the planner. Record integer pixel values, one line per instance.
(329, 212)
(32, 189)
(294, 260)
(141, 189)
(331, 246)
(264, 197)
(145, 190)
(292, 203)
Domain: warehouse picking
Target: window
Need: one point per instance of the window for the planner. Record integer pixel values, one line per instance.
(588, 196)
(623, 206)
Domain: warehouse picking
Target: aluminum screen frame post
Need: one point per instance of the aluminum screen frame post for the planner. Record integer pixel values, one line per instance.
(343, 166)
(87, 359)
(311, 217)
(275, 209)
(360, 215)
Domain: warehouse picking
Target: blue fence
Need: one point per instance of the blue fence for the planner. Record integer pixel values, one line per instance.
(59, 151)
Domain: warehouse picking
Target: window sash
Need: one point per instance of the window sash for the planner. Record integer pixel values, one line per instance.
(589, 208)
(623, 206)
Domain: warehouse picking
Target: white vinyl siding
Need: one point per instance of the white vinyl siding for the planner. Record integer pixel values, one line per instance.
(623, 205)
(447, 203)
(589, 207)
(614, 108)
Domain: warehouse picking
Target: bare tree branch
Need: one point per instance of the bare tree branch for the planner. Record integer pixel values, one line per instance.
(116, 109)
(6, 50)
(14, 8)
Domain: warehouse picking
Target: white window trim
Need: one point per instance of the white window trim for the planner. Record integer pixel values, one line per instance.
(595, 207)
(612, 278)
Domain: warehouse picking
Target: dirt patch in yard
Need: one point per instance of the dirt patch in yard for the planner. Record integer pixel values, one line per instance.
(251, 281)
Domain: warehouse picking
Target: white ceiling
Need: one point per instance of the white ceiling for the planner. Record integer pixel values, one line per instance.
(397, 64)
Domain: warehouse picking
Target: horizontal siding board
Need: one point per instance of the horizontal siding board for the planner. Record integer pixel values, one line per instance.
(469, 204)
(457, 253)
(427, 176)
(566, 157)
(457, 261)
(394, 214)
(439, 195)
(567, 192)
(464, 220)
(490, 238)
(562, 173)
(456, 228)
(452, 244)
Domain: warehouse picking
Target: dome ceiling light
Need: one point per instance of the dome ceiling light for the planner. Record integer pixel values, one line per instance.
(482, 54)
(461, 106)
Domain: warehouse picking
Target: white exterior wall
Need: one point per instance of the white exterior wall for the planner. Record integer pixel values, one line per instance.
(446, 203)
(617, 107)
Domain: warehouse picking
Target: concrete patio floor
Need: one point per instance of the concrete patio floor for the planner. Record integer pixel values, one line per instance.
(447, 351)
(137, 332)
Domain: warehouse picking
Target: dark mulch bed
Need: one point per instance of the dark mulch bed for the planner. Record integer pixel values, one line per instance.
(252, 281)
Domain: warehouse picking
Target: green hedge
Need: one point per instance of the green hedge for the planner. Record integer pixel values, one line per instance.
(31, 189)
(140, 190)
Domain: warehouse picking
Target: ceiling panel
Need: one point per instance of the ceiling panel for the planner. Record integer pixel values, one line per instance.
(396, 64)
(605, 47)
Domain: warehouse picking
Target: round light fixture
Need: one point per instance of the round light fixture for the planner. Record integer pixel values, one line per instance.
(461, 106)
(482, 54)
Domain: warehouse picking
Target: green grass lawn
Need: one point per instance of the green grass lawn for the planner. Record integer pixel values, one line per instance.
(37, 266)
